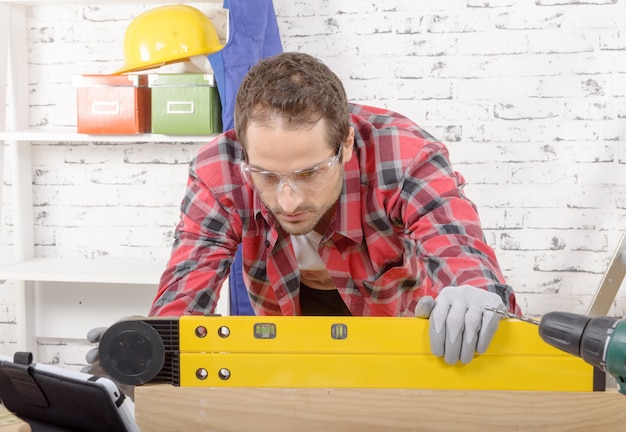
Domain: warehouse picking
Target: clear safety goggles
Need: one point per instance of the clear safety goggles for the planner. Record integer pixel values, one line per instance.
(308, 180)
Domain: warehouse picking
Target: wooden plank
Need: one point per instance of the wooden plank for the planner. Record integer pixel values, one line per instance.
(166, 408)
(10, 423)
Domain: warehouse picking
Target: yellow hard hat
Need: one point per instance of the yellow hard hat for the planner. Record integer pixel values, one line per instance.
(167, 34)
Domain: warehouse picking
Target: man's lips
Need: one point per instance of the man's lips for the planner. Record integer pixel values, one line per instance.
(294, 217)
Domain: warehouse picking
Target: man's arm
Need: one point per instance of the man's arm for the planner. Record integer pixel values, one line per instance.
(462, 278)
(447, 229)
(202, 253)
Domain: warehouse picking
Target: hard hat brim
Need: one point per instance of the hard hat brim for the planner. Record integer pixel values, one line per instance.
(136, 67)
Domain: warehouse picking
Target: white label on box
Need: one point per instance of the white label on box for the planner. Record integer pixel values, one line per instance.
(180, 107)
(109, 108)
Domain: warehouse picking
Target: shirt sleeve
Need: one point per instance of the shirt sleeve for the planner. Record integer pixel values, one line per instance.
(203, 250)
(446, 228)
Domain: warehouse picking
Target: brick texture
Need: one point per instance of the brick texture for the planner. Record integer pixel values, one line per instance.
(530, 97)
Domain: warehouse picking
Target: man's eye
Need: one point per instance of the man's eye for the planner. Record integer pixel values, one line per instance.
(308, 174)
(266, 177)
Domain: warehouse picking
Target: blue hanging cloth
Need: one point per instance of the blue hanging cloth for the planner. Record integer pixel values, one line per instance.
(253, 35)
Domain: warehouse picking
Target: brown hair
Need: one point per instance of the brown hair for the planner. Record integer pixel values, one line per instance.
(297, 88)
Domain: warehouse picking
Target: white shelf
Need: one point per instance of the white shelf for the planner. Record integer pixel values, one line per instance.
(88, 271)
(52, 294)
(70, 135)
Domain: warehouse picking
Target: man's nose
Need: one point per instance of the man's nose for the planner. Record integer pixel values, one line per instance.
(288, 198)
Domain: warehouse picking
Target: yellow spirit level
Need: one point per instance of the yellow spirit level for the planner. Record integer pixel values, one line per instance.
(336, 352)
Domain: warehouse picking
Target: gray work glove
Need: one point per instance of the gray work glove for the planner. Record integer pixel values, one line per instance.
(93, 361)
(459, 323)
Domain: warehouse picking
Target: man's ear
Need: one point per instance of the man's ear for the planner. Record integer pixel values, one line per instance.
(348, 145)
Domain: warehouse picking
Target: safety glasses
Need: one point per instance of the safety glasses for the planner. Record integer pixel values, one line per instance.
(308, 180)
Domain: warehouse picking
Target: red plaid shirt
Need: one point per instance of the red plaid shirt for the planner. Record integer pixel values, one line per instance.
(403, 229)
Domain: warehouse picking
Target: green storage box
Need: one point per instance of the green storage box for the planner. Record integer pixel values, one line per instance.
(185, 104)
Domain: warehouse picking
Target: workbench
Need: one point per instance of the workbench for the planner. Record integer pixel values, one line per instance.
(166, 408)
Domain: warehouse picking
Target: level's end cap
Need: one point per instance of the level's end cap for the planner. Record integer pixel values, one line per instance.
(131, 352)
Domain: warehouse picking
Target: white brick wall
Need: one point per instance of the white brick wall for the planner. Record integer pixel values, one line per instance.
(530, 97)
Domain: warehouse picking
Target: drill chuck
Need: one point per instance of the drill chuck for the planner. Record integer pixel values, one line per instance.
(599, 341)
(563, 330)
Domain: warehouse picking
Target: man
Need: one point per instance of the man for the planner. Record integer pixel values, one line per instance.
(341, 209)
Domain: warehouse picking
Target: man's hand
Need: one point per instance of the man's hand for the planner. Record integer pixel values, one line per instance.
(459, 323)
(93, 361)
(93, 357)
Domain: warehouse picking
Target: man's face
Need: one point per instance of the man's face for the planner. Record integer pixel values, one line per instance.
(298, 201)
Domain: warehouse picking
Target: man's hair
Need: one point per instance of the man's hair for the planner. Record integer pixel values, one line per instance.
(296, 88)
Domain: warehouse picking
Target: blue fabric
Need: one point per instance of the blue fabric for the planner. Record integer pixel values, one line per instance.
(239, 300)
(253, 35)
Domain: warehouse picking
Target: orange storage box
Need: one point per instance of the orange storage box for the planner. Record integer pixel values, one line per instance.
(113, 104)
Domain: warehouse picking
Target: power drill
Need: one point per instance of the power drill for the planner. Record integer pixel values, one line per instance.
(599, 341)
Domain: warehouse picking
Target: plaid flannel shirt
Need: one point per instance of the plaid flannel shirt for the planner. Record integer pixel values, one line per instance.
(403, 229)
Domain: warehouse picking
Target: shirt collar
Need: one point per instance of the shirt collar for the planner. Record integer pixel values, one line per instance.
(347, 220)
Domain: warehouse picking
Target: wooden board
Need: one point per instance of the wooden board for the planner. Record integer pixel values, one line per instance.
(10, 423)
(161, 407)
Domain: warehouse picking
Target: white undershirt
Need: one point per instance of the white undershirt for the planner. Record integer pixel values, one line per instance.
(313, 272)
